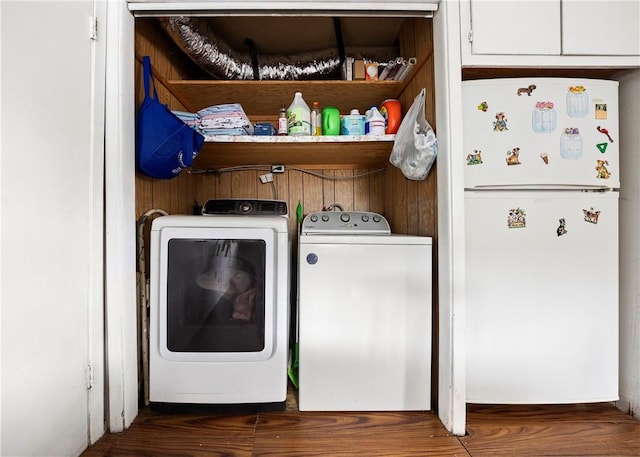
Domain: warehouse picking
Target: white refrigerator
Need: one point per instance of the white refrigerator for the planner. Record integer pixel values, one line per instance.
(541, 210)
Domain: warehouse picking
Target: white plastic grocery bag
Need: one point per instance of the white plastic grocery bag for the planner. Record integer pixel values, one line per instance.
(415, 147)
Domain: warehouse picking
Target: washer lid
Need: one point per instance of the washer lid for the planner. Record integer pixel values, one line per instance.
(245, 207)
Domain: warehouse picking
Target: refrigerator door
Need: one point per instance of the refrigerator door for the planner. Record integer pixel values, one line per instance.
(541, 133)
(542, 297)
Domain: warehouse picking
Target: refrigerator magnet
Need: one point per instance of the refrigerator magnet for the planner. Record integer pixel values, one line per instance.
(571, 144)
(601, 111)
(591, 215)
(602, 147)
(601, 169)
(484, 106)
(500, 124)
(516, 218)
(513, 157)
(562, 228)
(545, 158)
(605, 132)
(475, 158)
(577, 101)
(526, 90)
(544, 118)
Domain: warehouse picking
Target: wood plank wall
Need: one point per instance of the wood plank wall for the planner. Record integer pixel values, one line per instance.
(410, 206)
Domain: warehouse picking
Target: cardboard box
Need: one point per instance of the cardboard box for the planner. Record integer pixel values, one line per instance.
(371, 71)
(358, 69)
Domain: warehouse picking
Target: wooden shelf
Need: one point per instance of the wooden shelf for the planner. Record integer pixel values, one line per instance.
(261, 100)
(347, 152)
(264, 98)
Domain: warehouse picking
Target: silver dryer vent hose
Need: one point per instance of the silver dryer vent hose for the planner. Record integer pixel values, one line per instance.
(197, 39)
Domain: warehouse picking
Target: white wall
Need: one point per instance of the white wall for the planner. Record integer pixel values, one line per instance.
(51, 222)
(630, 243)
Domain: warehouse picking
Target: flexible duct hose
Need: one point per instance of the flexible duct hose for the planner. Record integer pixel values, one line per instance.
(197, 39)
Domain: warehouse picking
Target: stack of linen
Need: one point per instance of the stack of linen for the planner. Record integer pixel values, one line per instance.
(226, 119)
(191, 119)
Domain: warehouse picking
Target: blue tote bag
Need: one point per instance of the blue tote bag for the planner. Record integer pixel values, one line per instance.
(165, 145)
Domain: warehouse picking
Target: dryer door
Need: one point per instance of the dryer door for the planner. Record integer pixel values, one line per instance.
(216, 294)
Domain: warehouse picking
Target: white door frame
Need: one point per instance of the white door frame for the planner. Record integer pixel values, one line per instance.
(120, 218)
(451, 234)
(120, 233)
(96, 331)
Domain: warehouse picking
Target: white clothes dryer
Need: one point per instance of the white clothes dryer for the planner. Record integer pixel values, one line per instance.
(364, 315)
(219, 307)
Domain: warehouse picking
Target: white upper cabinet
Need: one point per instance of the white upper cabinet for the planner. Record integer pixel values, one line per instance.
(513, 27)
(604, 28)
(550, 32)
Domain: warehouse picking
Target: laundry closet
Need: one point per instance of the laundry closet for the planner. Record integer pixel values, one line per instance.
(353, 175)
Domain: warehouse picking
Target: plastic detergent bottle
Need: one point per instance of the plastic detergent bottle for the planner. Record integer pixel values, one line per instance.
(376, 122)
(316, 119)
(353, 124)
(367, 116)
(391, 110)
(299, 116)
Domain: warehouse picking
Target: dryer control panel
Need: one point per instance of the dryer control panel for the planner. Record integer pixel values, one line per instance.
(244, 207)
(345, 223)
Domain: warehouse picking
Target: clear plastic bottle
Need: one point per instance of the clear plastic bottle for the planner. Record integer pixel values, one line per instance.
(299, 116)
(316, 120)
(283, 128)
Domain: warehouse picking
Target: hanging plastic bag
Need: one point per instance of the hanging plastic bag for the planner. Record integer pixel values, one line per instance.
(415, 147)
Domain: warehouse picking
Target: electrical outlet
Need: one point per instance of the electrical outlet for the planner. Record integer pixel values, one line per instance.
(277, 168)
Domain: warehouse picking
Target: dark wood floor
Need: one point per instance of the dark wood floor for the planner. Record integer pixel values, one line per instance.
(492, 431)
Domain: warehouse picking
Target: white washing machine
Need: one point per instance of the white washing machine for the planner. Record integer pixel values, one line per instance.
(364, 315)
(219, 307)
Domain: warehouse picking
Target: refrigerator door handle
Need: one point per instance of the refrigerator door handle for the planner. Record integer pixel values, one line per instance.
(567, 187)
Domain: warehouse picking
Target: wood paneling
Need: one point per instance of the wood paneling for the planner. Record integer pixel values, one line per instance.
(348, 152)
(256, 96)
(409, 205)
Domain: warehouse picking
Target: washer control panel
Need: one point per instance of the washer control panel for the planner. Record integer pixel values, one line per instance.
(345, 223)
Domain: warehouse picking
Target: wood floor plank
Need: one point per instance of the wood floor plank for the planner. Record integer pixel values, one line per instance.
(575, 412)
(184, 435)
(345, 447)
(538, 439)
(393, 434)
(550, 430)
(409, 424)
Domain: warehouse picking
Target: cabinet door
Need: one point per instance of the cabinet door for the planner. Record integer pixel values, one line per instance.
(601, 28)
(513, 28)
